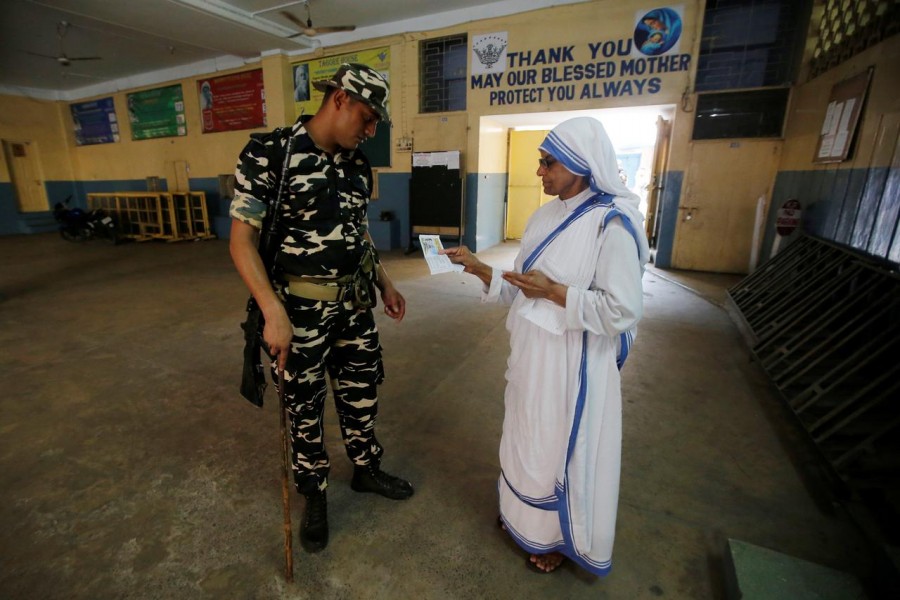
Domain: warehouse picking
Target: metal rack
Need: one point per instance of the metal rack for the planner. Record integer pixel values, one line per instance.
(170, 216)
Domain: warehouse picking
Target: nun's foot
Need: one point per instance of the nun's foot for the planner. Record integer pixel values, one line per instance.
(545, 563)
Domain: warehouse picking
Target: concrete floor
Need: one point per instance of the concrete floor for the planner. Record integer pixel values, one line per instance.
(131, 468)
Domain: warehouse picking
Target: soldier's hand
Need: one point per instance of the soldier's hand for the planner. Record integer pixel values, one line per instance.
(277, 334)
(394, 303)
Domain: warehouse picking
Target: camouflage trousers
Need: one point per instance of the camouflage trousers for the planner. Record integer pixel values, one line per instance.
(337, 339)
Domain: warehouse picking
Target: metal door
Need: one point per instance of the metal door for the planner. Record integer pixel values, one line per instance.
(716, 217)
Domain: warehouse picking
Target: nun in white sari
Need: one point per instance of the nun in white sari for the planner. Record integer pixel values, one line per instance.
(575, 297)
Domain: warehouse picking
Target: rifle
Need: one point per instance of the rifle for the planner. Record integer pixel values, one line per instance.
(253, 379)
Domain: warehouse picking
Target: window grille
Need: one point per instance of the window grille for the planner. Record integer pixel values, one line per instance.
(442, 74)
(751, 43)
(847, 27)
(745, 114)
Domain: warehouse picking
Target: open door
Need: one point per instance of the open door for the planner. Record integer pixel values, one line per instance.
(25, 171)
(524, 193)
(660, 160)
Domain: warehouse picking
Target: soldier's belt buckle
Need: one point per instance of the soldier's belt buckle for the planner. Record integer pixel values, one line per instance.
(316, 291)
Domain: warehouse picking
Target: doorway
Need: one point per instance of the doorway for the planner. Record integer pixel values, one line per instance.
(634, 132)
(654, 185)
(524, 192)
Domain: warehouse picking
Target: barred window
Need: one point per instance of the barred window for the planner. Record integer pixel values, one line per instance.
(442, 74)
(744, 114)
(751, 43)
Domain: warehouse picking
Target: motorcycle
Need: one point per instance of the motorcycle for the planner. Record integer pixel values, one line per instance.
(77, 225)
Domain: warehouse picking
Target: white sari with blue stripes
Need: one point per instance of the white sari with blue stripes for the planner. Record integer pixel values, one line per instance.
(561, 445)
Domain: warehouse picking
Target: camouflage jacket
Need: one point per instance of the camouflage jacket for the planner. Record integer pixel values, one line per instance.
(322, 219)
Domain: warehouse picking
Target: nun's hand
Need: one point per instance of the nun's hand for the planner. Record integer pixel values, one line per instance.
(460, 255)
(534, 284)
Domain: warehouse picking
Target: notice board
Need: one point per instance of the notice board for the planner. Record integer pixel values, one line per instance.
(157, 113)
(232, 102)
(435, 194)
(842, 118)
(95, 122)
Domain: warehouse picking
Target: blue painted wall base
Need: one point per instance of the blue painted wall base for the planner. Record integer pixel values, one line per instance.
(668, 218)
(385, 234)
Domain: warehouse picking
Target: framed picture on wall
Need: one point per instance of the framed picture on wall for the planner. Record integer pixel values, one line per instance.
(232, 102)
(307, 99)
(838, 131)
(95, 122)
(157, 113)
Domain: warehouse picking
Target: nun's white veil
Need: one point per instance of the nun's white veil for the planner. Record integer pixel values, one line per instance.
(583, 148)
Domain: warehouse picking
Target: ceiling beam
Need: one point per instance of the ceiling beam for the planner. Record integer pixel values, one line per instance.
(279, 7)
(226, 11)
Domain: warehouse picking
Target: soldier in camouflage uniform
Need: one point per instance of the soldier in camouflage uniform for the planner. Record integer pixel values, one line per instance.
(317, 307)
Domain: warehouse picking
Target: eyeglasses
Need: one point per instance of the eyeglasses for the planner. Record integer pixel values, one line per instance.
(547, 162)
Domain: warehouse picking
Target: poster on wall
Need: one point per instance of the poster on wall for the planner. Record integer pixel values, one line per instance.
(232, 102)
(842, 118)
(95, 122)
(658, 31)
(307, 99)
(640, 60)
(157, 113)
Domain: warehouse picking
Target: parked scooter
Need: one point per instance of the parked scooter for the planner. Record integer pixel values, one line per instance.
(77, 225)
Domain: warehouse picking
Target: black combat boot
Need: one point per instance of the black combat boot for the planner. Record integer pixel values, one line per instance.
(370, 478)
(314, 529)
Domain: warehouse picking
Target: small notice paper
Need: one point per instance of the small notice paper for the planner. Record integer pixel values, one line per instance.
(437, 263)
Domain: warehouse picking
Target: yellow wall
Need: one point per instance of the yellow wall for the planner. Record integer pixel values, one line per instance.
(852, 202)
(208, 155)
(810, 101)
(580, 26)
(279, 88)
(494, 147)
(680, 140)
(42, 123)
(49, 125)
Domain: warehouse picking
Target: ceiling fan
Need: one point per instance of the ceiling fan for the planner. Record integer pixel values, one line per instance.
(64, 60)
(308, 29)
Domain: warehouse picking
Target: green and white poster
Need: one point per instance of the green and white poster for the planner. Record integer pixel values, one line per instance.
(157, 113)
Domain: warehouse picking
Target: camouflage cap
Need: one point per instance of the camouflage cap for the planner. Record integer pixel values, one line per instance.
(363, 83)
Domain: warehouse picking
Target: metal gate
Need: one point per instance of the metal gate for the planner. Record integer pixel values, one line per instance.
(824, 324)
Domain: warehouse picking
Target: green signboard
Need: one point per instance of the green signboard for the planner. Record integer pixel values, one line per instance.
(157, 113)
